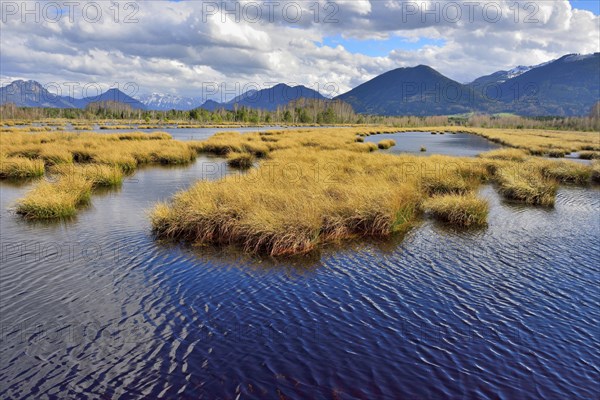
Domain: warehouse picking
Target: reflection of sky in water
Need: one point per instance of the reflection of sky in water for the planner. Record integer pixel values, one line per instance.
(459, 144)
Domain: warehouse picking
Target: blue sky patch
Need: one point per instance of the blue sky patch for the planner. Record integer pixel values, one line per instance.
(379, 48)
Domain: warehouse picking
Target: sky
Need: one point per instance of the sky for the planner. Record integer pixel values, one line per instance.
(219, 49)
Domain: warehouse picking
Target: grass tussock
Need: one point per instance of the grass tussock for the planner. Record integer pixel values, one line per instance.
(565, 171)
(386, 144)
(240, 160)
(99, 175)
(526, 185)
(55, 200)
(589, 155)
(20, 168)
(458, 209)
(506, 154)
(445, 182)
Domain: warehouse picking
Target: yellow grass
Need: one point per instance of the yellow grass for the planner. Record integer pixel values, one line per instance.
(565, 171)
(240, 160)
(589, 155)
(458, 209)
(386, 144)
(20, 168)
(534, 141)
(321, 186)
(98, 159)
(506, 154)
(310, 186)
(55, 200)
(527, 185)
(99, 175)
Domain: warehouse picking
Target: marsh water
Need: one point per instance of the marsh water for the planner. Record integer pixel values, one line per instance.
(94, 307)
(457, 144)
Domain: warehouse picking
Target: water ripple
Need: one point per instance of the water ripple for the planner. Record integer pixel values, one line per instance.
(96, 308)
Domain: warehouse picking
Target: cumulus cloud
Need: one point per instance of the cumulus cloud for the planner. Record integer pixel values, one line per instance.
(180, 47)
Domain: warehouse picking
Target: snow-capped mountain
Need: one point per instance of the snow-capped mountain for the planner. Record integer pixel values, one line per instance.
(502, 76)
(576, 57)
(520, 70)
(163, 101)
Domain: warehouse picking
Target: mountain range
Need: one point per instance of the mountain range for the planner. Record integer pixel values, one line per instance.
(266, 99)
(33, 94)
(165, 102)
(568, 86)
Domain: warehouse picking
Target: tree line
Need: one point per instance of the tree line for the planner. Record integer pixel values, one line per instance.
(300, 111)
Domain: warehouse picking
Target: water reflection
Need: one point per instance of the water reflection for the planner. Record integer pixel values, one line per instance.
(459, 144)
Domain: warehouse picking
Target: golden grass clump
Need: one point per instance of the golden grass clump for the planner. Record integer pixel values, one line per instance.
(527, 185)
(124, 161)
(589, 155)
(458, 209)
(280, 210)
(506, 154)
(83, 127)
(55, 200)
(53, 154)
(386, 143)
(20, 168)
(445, 182)
(566, 171)
(240, 160)
(99, 175)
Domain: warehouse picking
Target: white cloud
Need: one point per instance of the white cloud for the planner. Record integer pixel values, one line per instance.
(176, 47)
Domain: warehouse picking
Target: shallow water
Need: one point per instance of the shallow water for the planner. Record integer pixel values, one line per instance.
(96, 307)
(459, 144)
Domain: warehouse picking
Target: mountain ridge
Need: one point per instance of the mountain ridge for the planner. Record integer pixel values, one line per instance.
(33, 94)
(567, 86)
(267, 99)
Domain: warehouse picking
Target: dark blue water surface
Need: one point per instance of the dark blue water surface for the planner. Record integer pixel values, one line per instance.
(96, 308)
